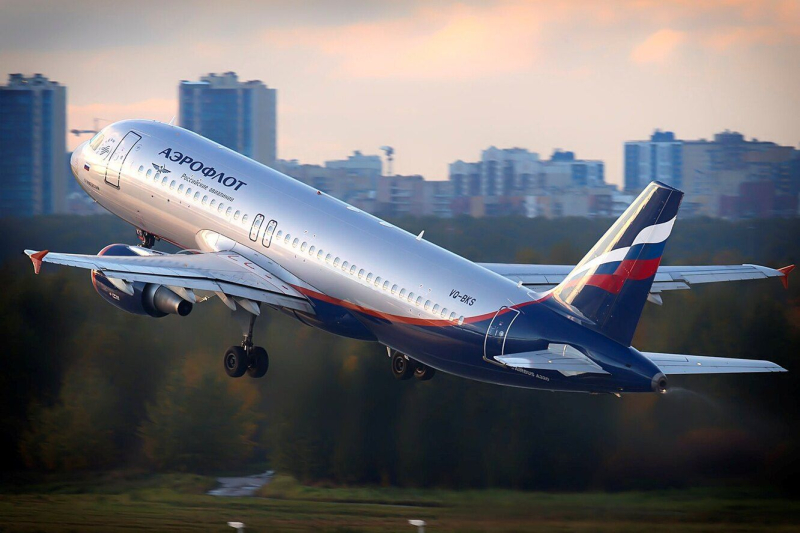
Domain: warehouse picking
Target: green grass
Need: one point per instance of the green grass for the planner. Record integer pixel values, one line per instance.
(115, 502)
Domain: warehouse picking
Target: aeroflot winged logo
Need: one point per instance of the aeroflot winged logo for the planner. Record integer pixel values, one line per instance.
(160, 170)
(198, 166)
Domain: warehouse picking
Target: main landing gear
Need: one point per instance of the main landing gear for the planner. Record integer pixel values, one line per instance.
(148, 240)
(246, 358)
(403, 367)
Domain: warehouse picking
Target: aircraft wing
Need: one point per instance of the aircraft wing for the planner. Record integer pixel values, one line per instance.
(542, 278)
(225, 273)
(673, 363)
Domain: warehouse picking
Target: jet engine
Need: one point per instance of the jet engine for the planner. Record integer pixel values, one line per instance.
(148, 298)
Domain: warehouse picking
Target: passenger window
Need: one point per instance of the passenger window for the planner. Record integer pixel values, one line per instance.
(352, 270)
(410, 297)
(280, 234)
(394, 289)
(213, 202)
(435, 309)
(369, 277)
(345, 266)
(303, 246)
(402, 293)
(328, 258)
(256, 227)
(295, 242)
(361, 273)
(377, 281)
(460, 320)
(336, 262)
(172, 185)
(427, 305)
(180, 187)
(236, 215)
(452, 316)
(287, 238)
(205, 199)
(228, 212)
(164, 182)
(141, 169)
(320, 254)
(386, 285)
(220, 208)
(244, 219)
(312, 250)
(196, 196)
(188, 191)
(443, 313)
(419, 301)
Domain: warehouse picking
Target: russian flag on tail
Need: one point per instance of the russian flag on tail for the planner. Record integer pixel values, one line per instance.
(609, 286)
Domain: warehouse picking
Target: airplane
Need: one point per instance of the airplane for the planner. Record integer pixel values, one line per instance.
(256, 239)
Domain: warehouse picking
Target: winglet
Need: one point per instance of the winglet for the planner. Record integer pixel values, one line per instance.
(786, 271)
(36, 259)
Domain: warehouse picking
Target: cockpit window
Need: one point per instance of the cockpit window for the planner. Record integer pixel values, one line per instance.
(97, 140)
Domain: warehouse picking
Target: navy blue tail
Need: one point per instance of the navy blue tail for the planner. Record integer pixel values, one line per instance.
(610, 285)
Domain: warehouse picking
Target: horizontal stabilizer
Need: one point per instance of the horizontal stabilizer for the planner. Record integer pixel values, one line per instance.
(559, 357)
(674, 363)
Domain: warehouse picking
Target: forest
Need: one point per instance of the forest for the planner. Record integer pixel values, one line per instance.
(87, 387)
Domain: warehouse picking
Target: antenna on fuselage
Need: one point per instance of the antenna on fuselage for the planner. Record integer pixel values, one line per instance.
(172, 122)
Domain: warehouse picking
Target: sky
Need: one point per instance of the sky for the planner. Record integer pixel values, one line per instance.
(437, 80)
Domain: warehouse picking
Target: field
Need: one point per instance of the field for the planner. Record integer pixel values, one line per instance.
(177, 503)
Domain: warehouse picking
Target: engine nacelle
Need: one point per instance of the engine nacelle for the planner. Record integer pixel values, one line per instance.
(148, 298)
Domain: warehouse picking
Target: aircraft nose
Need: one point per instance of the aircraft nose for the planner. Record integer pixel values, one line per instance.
(76, 160)
(659, 383)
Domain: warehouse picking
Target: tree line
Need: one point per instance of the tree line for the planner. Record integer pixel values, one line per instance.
(84, 386)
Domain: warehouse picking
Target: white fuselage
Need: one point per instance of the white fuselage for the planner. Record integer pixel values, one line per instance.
(172, 183)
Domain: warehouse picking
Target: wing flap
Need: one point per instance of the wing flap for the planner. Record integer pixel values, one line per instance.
(672, 363)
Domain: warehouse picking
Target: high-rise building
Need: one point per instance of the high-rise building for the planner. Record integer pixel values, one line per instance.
(729, 176)
(358, 164)
(563, 171)
(659, 159)
(239, 115)
(33, 133)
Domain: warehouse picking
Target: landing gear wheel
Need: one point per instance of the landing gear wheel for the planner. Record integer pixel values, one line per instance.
(148, 240)
(235, 361)
(423, 372)
(402, 368)
(259, 362)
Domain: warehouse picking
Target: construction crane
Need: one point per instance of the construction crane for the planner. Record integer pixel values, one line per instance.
(95, 130)
(389, 156)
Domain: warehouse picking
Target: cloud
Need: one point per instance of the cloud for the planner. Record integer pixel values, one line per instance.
(658, 47)
(443, 42)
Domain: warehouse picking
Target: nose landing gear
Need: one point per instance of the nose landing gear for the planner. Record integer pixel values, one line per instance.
(246, 358)
(148, 240)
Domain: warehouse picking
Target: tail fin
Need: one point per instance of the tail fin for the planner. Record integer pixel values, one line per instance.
(610, 285)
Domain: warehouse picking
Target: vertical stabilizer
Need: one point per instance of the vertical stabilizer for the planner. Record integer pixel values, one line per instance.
(611, 283)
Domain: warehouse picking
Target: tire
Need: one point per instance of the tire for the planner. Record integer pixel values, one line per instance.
(424, 372)
(260, 363)
(235, 361)
(402, 367)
